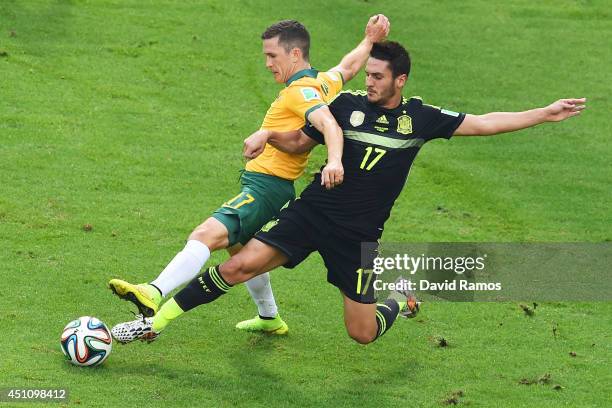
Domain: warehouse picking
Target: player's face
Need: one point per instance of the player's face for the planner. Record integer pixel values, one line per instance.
(278, 60)
(380, 84)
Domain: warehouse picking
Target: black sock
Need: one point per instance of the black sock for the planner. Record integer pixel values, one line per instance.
(203, 289)
(385, 315)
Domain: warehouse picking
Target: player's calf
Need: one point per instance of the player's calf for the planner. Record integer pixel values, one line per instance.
(360, 321)
(367, 322)
(402, 303)
(374, 323)
(203, 289)
(237, 269)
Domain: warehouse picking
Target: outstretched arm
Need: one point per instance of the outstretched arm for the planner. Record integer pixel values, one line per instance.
(376, 30)
(502, 122)
(333, 172)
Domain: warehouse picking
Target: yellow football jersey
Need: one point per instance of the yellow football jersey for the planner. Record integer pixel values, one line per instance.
(305, 91)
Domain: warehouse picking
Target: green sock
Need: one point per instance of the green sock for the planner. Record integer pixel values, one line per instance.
(168, 312)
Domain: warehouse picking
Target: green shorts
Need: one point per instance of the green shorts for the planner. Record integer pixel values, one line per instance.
(261, 198)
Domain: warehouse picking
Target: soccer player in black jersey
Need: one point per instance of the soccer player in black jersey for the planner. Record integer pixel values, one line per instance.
(383, 132)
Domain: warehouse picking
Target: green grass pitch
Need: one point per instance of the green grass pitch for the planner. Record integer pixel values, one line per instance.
(129, 116)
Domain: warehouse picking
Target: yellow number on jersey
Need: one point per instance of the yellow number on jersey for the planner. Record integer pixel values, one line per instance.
(233, 203)
(369, 149)
(360, 272)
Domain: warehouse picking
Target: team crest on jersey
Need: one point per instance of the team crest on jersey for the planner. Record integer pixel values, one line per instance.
(357, 118)
(310, 94)
(404, 125)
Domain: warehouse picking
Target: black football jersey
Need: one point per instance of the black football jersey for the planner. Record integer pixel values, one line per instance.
(380, 146)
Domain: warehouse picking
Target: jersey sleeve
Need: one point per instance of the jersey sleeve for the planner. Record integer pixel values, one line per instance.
(313, 133)
(337, 107)
(440, 123)
(302, 100)
(335, 81)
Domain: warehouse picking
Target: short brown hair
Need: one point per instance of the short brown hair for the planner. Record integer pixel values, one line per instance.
(291, 34)
(395, 54)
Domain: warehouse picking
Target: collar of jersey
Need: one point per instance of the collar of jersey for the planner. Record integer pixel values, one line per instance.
(301, 74)
(381, 109)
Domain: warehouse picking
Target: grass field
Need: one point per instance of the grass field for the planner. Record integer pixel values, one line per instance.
(128, 117)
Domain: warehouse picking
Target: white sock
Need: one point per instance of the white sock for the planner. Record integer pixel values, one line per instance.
(183, 268)
(261, 292)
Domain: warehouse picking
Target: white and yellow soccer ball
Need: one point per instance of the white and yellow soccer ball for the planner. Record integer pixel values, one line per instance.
(86, 341)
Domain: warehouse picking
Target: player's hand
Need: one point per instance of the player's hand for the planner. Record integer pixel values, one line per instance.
(332, 174)
(255, 144)
(564, 108)
(377, 28)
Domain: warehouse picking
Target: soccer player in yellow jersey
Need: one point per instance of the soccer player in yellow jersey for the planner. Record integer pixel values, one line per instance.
(267, 182)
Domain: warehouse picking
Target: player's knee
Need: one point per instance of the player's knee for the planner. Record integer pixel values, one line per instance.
(236, 270)
(361, 335)
(210, 235)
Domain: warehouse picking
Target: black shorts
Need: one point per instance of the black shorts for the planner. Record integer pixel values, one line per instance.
(301, 230)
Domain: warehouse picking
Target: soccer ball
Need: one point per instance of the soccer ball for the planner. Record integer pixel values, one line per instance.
(86, 341)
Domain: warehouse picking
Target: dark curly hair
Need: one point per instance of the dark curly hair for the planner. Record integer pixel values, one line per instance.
(395, 54)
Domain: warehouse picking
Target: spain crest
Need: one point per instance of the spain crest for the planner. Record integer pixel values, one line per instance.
(404, 125)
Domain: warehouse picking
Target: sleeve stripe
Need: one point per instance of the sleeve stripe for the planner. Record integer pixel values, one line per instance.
(341, 77)
(452, 131)
(309, 111)
(339, 73)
